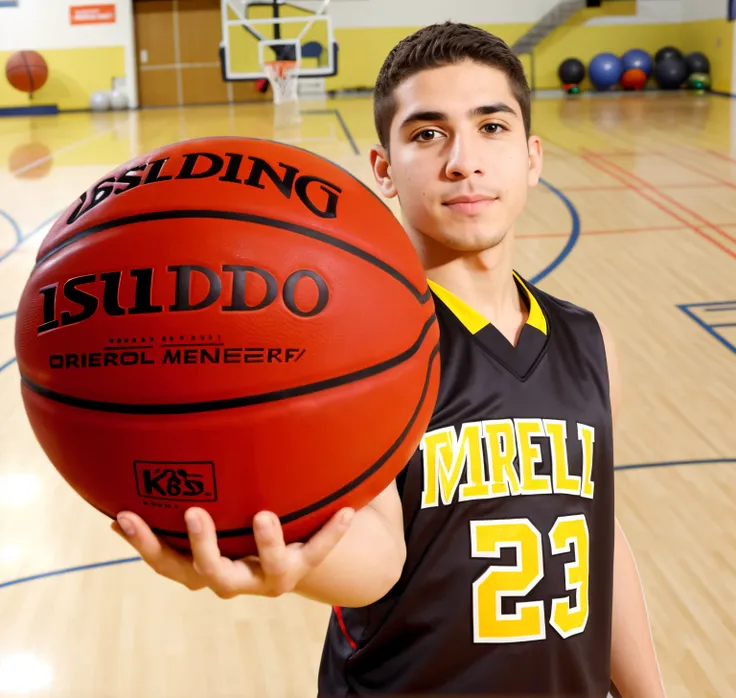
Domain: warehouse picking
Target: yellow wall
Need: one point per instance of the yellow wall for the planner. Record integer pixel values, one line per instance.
(74, 74)
(577, 40)
(714, 38)
(585, 42)
(362, 51)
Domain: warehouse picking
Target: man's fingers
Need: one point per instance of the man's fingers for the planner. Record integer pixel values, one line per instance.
(155, 553)
(321, 544)
(227, 578)
(271, 547)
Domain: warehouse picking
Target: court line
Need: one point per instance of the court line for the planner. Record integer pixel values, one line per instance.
(125, 560)
(572, 240)
(13, 224)
(650, 229)
(66, 148)
(656, 203)
(686, 309)
(723, 156)
(9, 362)
(648, 185)
(336, 113)
(675, 463)
(10, 314)
(35, 231)
(696, 170)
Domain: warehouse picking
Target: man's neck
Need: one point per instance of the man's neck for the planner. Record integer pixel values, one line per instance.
(483, 280)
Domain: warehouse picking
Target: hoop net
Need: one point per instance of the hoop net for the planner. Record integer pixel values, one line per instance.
(284, 79)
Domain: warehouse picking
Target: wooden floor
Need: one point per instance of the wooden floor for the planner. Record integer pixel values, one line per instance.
(636, 220)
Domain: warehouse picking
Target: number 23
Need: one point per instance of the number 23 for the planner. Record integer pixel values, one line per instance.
(526, 623)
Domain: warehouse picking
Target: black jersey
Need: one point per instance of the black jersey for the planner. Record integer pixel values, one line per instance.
(509, 523)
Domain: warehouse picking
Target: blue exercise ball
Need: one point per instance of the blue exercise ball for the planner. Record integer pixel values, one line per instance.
(605, 71)
(636, 59)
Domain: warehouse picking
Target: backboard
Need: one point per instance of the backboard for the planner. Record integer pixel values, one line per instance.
(254, 32)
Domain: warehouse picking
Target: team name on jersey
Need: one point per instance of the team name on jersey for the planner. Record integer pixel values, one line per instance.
(479, 463)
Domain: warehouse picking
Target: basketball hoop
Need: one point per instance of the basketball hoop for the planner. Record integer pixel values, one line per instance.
(284, 79)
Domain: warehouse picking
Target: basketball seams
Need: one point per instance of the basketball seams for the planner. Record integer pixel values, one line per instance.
(233, 403)
(346, 489)
(239, 217)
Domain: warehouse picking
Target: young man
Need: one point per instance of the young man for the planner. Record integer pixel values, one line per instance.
(494, 564)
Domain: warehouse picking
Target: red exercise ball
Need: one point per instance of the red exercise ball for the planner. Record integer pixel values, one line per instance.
(634, 79)
(26, 71)
(229, 323)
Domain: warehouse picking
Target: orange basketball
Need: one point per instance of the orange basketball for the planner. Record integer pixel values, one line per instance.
(26, 71)
(229, 323)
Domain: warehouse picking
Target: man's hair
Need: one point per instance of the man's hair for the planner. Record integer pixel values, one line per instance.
(441, 45)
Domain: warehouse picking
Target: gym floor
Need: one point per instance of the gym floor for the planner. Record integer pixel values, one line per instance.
(635, 219)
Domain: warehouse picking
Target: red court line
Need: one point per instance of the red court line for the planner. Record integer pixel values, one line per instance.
(590, 160)
(608, 187)
(649, 229)
(648, 185)
(697, 170)
(728, 158)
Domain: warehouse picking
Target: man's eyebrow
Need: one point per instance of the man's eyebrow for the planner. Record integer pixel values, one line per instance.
(496, 108)
(419, 116)
(485, 110)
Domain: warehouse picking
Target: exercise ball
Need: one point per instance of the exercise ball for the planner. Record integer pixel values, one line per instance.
(230, 323)
(697, 63)
(571, 72)
(667, 52)
(636, 59)
(670, 73)
(99, 101)
(118, 100)
(698, 82)
(605, 70)
(634, 79)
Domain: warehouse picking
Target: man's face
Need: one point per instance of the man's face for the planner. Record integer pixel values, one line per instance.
(459, 161)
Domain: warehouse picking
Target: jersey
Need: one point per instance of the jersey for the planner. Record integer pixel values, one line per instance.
(509, 522)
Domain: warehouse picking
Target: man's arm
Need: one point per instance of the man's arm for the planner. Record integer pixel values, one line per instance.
(634, 668)
(353, 560)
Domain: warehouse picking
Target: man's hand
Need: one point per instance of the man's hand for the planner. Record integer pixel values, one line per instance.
(276, 570)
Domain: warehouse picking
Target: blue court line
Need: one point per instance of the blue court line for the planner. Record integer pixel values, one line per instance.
(686, 309)
(21, 239)
(125, 560)
(14, 225)
(710, 303)
(9, 362)
(10, 314)
(336, 113)
(571, 241)
(730, 306)
(68, 570)
(675, 463)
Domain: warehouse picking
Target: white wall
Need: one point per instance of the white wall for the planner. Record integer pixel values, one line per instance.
(694, 10)
(44, 24)
(647, 12)
(409, 13)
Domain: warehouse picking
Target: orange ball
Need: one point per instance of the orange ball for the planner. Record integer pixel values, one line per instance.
(26, 71)
(228, 323)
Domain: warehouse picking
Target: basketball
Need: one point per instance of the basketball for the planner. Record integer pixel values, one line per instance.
(230, 323)
(26, 71)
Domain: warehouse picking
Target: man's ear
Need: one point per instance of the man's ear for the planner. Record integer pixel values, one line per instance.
(382, 171)
(536, 158)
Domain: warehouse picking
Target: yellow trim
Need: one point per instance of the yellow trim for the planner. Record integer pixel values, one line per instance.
(474, 321)
(536, 316)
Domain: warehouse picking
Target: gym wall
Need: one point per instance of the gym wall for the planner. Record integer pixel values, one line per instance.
(690, 25)
(82, 58)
